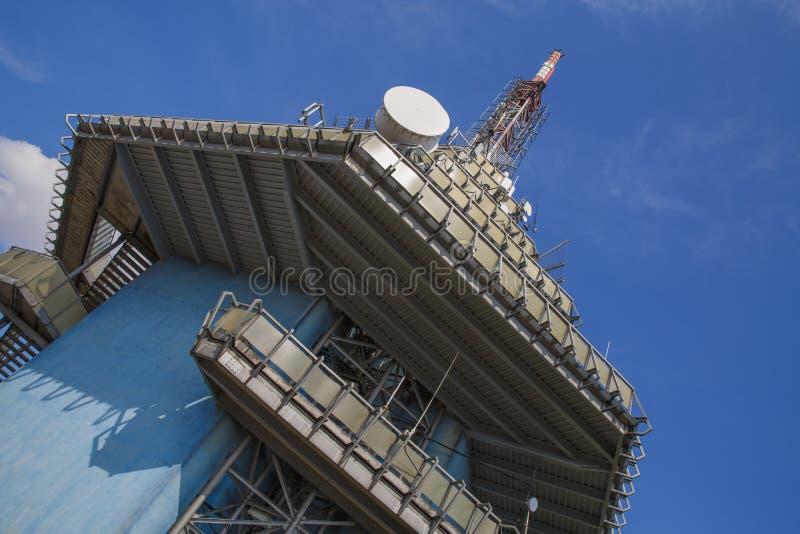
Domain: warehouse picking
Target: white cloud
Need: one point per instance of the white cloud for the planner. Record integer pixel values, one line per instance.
(21, 69)
(26, 180)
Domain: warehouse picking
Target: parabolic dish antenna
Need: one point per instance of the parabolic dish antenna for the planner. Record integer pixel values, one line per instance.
(410, 116)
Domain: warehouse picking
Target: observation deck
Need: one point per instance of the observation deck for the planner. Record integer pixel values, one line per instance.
(536, 395)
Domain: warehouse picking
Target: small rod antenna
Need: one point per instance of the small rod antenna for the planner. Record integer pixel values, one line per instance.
(550, 251)
(441, 383)
(396, 389)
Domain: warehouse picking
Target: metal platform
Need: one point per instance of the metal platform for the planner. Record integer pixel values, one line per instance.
(290, 197)
(286, 395)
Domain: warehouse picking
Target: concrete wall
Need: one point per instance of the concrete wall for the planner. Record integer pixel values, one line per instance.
(111, 428)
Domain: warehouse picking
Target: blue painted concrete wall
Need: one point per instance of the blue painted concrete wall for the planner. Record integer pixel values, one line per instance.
(111, 428)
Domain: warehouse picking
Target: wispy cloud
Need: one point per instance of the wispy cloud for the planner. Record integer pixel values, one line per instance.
(637, 185)
(26, 178)
(505, 6)
(722, 183)
(21, 69)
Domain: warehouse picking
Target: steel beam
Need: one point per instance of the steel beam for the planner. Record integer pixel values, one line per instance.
(146, 209)
(217, 215)
(178, 203)
(292, 528)
(295, 214)
(251, 200)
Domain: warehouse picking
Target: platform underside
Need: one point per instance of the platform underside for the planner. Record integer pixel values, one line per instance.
(303, 198)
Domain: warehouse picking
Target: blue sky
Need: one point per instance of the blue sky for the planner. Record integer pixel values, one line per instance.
(670, 162)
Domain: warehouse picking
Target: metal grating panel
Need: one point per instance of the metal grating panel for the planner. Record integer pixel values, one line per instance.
(234, 207)
(268, 178)
(148, 168)
(183, 168)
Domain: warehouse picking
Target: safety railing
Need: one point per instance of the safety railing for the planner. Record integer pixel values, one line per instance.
(361, 432)
(308, 142)
(525, 296)
(349, 122)
(55, 212)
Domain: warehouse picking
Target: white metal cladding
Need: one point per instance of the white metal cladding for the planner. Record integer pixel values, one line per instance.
(576, 396)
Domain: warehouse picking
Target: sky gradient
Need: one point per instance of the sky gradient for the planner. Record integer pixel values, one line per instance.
(670, 161)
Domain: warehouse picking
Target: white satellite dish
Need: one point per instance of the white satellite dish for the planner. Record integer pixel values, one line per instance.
(533, 504)
(410, 116)
(527, 209)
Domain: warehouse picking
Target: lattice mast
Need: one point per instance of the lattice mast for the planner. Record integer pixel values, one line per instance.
(507, 128)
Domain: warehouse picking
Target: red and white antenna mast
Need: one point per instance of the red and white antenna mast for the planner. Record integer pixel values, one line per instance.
(507, 128)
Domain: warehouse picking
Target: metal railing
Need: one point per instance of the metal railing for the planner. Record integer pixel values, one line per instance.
(59, 189)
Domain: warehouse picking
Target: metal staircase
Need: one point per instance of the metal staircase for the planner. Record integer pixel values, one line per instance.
(15, 349)
(125, 266)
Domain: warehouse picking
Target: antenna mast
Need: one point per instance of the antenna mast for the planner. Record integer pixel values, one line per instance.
(507, 128)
